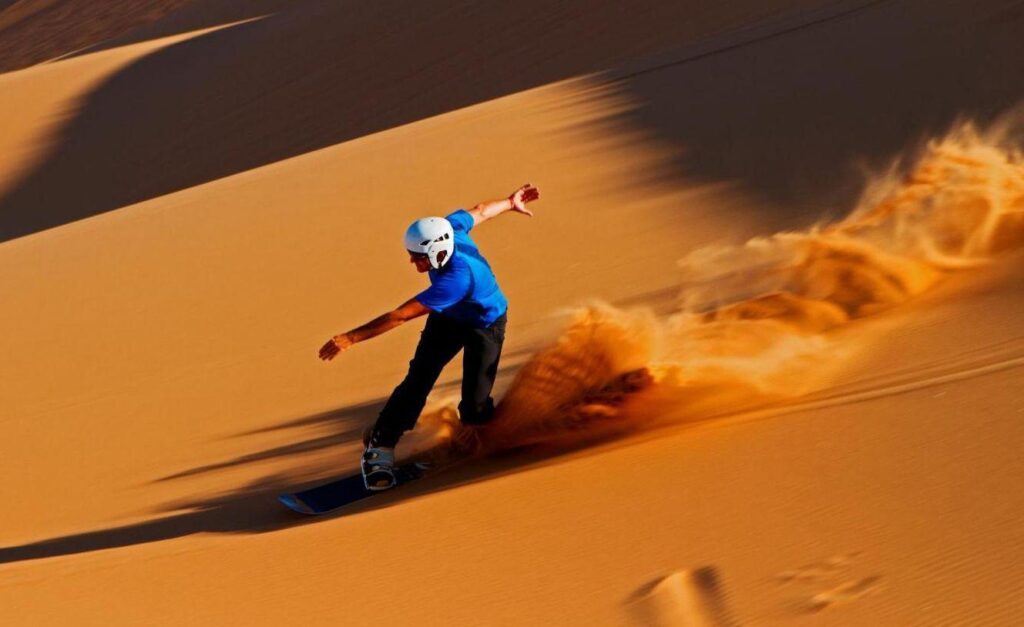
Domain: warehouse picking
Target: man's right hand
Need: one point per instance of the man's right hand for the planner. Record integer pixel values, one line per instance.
(408, 310)
(335, 345)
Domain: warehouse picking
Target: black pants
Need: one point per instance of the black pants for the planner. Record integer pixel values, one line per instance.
(441, 340)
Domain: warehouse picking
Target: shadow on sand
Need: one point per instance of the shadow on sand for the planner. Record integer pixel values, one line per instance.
(254, 507)
(314, 74)
(780, 107)
(799, 109)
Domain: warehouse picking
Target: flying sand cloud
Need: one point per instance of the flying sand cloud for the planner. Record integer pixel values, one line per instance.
(754, 319)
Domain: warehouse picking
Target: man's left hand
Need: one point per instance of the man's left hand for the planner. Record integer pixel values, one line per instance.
(525, 194)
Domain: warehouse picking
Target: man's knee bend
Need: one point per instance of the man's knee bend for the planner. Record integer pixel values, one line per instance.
(472, 414)
(420, 379)
(411, 392)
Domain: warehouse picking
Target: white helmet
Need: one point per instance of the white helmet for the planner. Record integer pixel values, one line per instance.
(431, 237)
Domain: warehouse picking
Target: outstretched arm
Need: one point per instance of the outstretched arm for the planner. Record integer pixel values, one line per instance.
(405, 312)
(515, 202)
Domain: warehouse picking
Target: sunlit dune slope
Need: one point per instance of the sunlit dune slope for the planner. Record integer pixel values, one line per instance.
(835, 388)
(197, 316)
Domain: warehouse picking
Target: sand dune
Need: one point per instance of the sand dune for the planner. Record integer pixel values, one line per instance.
(246, 96)
(34, 31)
(832, 366)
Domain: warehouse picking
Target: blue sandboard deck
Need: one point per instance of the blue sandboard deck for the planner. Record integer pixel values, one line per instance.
(345, 491)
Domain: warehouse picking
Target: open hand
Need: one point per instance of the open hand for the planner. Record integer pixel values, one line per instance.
(335, 345)
(525, 194)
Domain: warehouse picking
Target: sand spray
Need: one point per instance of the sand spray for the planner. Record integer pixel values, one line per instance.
(753, 320)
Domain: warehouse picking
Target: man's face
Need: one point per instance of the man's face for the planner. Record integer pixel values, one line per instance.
(422, 262)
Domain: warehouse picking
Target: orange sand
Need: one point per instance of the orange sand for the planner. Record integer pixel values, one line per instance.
(836, 403)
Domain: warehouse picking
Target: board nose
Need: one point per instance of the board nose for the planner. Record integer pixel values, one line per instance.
(293, 503)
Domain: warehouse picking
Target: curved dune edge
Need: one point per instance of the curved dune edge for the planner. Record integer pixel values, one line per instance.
(39, 100)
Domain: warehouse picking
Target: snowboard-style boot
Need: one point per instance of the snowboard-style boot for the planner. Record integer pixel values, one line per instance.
(378, 466)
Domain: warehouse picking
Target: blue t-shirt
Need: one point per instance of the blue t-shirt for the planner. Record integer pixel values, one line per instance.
(465, 288)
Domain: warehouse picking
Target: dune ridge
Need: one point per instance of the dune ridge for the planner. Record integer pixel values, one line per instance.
(35, 31)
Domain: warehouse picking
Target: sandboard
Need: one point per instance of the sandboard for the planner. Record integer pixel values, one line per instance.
(345, 491)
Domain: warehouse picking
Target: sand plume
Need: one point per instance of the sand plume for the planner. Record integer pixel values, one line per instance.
(753, 319)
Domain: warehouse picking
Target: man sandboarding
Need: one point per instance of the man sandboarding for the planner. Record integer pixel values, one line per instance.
(467, 312)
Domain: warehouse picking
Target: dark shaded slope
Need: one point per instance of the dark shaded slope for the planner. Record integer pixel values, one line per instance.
(33, 31)
(794, 114)
(321, 73)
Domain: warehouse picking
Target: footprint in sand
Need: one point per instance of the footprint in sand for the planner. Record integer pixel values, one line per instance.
(844, 593)
(819, 570)
(831, 569)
